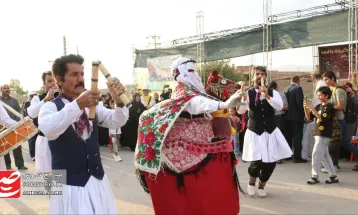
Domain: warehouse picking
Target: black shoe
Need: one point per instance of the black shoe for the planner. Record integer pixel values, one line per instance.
(299, 161)
(312, 181)
(332, 180)
(22, 168)
(288, 159)
(355, 168)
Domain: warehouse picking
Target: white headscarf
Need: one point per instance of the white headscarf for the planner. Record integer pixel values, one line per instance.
(191, 78)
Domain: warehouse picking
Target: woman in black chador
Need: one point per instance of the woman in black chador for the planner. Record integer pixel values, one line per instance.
(129, 130)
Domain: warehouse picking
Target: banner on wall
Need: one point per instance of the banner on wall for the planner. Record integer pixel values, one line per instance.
(157, 74)
(335, 59)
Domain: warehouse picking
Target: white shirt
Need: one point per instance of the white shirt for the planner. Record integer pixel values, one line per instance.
(151, 102)
(315, 100)
(275, 102)
(114, 131)
(53, 123)
(200, 104)
(285, 103)
(34, 109)
(5, 119)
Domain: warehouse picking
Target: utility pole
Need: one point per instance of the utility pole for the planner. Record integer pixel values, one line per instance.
(155, 40)
(64, 45)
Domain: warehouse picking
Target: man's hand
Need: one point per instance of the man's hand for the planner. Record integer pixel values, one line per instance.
(264, 91)
(232, 101)
(88, 98)
(115, 88)
(50, 94)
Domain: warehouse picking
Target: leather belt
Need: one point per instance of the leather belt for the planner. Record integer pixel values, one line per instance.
(190, 116)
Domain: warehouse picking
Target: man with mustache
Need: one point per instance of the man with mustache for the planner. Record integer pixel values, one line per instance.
(264, 143)
(73, 139)
(42, 152)
(6, 121)
(12, 102)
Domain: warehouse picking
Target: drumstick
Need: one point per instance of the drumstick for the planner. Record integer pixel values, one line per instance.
(108, 76)
(94, 86)
(11, 109)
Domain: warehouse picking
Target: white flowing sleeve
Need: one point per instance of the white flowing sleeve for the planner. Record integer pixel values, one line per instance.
(201, 104)
(243, 106)
(276, 101)
(5, 119)
(112, 119)
(35, 107)
(53, 123)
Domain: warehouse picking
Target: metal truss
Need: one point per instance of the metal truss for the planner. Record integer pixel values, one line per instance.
(339, 5)
(267, 37)
(353, 41)
(200, 44)
(209, 36)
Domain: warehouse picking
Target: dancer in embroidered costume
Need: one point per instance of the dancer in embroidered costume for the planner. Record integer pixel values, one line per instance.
(73, 140)
(264, 143)
(180, 163)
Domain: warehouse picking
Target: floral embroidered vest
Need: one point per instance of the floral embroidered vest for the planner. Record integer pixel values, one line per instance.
(155, 124)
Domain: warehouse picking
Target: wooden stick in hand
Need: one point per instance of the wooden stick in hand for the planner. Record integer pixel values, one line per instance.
(108, 76)
(94, 86)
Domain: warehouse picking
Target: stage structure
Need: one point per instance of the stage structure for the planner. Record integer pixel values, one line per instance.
(200, 44)
(267, 36)
(352, 42)
(299, 28)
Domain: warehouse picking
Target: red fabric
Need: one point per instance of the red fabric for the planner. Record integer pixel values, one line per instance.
(243, 122)
(211, 191)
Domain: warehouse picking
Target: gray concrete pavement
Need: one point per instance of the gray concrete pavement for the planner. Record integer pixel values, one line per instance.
(287, 189)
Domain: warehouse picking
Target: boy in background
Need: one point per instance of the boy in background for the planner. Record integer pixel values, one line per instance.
(115, 135)
(323, 128)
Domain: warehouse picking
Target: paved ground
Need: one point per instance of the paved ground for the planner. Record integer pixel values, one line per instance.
(288, 192)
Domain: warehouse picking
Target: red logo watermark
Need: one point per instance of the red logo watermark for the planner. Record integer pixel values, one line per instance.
(10, 184)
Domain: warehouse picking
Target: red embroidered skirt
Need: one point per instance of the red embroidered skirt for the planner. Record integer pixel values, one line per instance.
(212, 190)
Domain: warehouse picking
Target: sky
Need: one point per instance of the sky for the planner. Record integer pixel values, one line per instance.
(107, 30)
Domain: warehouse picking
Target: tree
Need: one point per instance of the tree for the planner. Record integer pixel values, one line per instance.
(15, 84)
(224, 68)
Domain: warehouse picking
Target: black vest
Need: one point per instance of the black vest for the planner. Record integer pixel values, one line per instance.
(261, 115)
(81, 159)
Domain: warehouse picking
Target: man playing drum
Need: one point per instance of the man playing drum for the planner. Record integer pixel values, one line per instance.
(42, 151)
(73, 139)
(14, 104)
(6, 121)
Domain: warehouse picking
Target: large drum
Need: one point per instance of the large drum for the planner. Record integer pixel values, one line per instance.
(14, 136)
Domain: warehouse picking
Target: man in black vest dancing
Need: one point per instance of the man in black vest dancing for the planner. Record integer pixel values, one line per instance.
(73, 139)
(264, 143)
(42, 153)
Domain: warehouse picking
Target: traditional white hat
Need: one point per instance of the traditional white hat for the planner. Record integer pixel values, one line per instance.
(184, 71)
(181, 61)
(32, 93)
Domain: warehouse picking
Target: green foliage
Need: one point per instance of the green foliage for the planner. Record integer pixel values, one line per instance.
(15, 84)
(224, 68)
